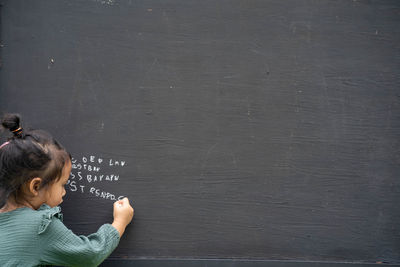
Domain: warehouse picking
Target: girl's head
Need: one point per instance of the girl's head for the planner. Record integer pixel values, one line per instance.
(34, 167)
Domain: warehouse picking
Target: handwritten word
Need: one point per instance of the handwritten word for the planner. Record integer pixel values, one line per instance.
(91, 159)
(99, 178)
(116, 163)
(103, 194)
(90, 168)
(74, 186)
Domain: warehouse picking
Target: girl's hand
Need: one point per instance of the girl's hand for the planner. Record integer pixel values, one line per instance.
(123, 213)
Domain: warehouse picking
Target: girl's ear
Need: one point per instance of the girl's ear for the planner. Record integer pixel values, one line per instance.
(34, 185)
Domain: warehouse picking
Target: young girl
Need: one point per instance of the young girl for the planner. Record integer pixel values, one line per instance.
(34, 169)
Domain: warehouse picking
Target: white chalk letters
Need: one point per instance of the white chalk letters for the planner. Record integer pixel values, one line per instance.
(90, 173)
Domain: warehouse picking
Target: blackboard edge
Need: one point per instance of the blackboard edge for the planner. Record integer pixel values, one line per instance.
(166, 262)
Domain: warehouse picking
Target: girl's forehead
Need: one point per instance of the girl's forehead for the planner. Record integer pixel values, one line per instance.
(67, 169)
(68, 164)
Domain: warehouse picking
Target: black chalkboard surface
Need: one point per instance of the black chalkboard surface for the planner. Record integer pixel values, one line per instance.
(240, 130)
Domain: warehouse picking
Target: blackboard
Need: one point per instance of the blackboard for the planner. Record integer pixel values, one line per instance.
(240, 130)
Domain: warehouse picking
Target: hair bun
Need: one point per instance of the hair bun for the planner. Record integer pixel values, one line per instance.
(12, 123)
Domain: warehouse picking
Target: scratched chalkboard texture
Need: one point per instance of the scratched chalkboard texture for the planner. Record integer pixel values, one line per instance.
(261, 129)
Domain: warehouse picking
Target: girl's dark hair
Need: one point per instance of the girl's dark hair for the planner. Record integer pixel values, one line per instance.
(28, 154)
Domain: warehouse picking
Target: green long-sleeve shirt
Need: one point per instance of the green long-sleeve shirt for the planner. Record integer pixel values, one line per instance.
(38, 237)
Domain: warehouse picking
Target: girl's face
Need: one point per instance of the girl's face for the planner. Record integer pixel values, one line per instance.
(56, 191)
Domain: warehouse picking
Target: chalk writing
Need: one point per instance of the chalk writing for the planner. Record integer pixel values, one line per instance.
(79, 166)
(103, 194)
(91, 169)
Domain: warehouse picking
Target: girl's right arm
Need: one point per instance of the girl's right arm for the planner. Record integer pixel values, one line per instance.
(123, 213)
(60, 246)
